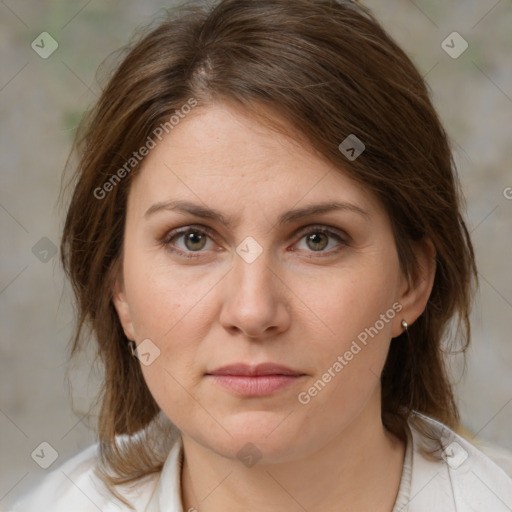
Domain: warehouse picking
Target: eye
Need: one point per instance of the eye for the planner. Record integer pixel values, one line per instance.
(317, 239)
(194, 241)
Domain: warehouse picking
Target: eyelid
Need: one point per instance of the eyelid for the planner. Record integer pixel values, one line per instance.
(324, 228)
(177, 232)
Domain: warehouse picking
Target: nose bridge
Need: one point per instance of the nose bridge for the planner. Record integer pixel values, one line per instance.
(252, 273)
(254, 300)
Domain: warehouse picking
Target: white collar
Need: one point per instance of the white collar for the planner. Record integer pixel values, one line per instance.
(167, 495)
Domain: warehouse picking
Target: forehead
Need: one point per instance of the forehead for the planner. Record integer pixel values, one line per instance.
(222, 155)
(223, 136)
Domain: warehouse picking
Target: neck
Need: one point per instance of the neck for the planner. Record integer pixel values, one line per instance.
(359, 469)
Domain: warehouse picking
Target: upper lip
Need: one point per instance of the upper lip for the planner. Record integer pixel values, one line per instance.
(254, 370)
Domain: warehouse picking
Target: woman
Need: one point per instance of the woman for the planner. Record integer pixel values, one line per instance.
(265, 237)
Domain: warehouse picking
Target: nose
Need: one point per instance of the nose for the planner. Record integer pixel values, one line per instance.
(256, 301)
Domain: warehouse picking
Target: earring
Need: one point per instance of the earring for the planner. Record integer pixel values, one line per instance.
(133, 347)
(405, 325)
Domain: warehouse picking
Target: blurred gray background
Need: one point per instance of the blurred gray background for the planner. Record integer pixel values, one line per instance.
(41, 101)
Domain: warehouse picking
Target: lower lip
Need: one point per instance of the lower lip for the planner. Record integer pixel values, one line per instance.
(260, 385)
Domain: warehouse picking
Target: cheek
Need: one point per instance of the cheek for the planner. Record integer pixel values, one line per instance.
(171, 309)
(160, 295)
(351, 302)
(357, 313)
(351, 352)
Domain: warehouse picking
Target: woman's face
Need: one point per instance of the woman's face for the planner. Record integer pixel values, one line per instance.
(319, 292)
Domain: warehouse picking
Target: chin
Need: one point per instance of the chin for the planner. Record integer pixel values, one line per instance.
(268, 440)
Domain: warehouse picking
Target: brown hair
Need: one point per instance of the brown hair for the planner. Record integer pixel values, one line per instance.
(330, 70)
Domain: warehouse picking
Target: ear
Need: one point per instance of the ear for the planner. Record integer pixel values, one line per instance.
(415, 290)
(123, 309)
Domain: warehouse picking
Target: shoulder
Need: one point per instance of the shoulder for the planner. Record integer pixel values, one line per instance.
(449, 471)
(75, 486)
(74, 482)
(499, 455)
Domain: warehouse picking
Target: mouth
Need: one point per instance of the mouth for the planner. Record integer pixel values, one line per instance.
(261, 380)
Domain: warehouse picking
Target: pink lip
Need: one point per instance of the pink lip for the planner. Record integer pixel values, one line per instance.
(260, 380)
(257, 370)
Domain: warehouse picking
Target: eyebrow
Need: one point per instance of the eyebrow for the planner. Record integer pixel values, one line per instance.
(290, 216)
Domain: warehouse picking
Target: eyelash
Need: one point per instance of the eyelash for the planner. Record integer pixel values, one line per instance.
(171, 236)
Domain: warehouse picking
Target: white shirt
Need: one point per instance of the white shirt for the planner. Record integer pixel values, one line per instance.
(463, 480)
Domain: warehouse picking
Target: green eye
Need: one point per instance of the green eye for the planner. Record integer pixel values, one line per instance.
(318, 238)
(317, 241)
(194, 240)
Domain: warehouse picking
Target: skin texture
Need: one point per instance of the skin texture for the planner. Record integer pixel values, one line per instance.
(293, 305)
